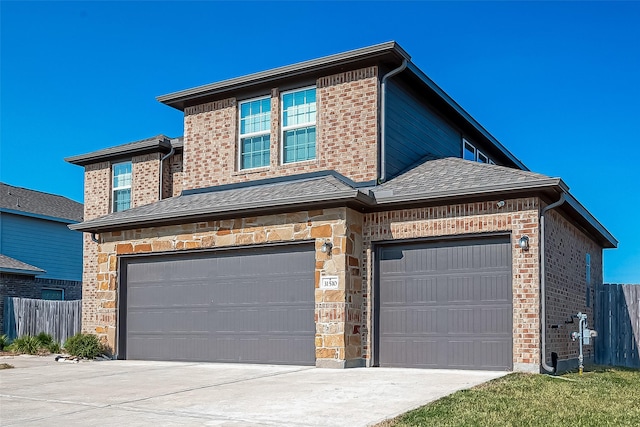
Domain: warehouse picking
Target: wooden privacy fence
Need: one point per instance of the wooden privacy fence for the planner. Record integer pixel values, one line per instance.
(618, 325)
(25, 316)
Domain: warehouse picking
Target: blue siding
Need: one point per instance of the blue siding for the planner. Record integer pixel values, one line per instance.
(414, 131)
(45, 244)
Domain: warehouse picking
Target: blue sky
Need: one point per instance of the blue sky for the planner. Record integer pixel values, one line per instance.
(556, 83)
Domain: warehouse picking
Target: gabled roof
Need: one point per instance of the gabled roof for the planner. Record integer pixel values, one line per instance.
(12, 265)
(449, 180)
(154, 144)
(22, 200)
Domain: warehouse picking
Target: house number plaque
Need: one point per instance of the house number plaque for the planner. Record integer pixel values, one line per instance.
(329, 282)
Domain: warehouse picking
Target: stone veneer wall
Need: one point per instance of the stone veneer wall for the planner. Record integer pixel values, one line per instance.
(566, 291)
(517, 217)
(346, 137)
(335, 310)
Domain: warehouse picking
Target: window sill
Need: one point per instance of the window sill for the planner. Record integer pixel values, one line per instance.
(251, 171)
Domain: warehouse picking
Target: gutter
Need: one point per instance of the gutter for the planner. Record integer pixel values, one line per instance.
(383, 101)
(543, 312)
(386, 197)
(169, 154)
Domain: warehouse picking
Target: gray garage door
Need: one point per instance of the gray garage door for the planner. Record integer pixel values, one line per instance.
(249, 306)
(445, 305)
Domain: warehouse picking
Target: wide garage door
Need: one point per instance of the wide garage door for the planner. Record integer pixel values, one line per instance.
(445, 305)
(248, 305)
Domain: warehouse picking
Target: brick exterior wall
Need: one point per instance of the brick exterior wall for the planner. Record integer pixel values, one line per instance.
(346, 122)
(172, 176)
(17, 285)
(566, 248)
(337, 312)
(145, 181)
(517, 217)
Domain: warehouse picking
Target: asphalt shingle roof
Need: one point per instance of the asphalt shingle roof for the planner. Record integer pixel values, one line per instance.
(432, 181)
(454, 176)
(12, 265)
(37, 202)
(155, 143)
(273, 194)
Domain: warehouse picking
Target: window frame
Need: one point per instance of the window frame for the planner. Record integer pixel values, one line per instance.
(114, 188)
(252, 134)
(476, 153)
(61, 290)
(284, 129)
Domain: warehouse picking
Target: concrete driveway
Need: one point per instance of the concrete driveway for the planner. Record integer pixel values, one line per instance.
(40, 391)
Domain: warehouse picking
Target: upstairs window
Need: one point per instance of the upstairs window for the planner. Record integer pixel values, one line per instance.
(470, 152)
(299, 125)
(255, 125)
(121, 186)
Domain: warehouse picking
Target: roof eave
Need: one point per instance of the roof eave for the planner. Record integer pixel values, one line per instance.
(485, 190)
(353, 198)
(35, 271)
(128, 150)
(607, 239)
(177, 99)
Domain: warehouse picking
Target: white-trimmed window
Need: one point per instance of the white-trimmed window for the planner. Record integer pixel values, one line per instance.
(254, 133)
(299, 125)
(470, 152)
(482, 158)
(121, 186)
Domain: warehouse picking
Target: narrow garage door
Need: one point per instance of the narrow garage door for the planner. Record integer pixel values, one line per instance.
(445, 305)
(249, 306)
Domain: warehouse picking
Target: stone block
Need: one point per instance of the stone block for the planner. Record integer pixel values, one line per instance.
(321, 231)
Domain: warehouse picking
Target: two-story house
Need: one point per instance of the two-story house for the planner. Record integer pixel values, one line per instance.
(338, 212)
(39, 256)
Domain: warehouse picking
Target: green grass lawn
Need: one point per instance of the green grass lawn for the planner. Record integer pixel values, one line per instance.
(602, 397)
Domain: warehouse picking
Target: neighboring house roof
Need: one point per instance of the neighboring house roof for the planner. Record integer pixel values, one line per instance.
(22, 200)
(150, 145)
(11, 265)
(433, 181)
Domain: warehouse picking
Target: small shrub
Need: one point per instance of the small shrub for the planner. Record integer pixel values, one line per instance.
(4, 342)
(25, 345)
(54, 347)
(45, 339)
(5, 366)
(84, 345)
(47, 343)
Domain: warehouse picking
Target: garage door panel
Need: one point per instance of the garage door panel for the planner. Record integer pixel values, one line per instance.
(439, 303)
(252, 305)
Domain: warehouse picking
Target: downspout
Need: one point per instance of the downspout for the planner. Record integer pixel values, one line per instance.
(383, 87)
(169, 154)
(543, 303)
